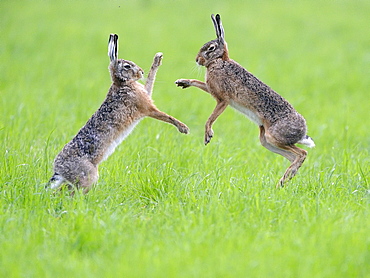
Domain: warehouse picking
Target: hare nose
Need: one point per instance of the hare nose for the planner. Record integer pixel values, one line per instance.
(199, 61)
(140, 73)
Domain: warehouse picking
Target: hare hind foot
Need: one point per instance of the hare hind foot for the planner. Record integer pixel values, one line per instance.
(293, 168)
(55, 182)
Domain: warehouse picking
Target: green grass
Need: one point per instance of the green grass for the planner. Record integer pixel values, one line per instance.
(165, 205)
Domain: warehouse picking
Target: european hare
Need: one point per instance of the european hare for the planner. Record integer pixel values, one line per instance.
(281, 126)
(126, 103)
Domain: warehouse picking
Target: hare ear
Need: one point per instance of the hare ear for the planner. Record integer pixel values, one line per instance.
(218, 27)
(113, 47)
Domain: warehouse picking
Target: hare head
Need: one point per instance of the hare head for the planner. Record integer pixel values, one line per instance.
(121, 70)
(214, 49)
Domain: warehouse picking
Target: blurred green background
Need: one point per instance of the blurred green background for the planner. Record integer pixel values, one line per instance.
(314, 53)
(165, 205)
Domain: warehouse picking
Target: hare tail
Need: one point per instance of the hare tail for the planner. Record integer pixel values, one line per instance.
(307, 141)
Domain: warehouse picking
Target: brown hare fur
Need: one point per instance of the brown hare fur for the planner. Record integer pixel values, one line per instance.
(281, 126)
(126, 103)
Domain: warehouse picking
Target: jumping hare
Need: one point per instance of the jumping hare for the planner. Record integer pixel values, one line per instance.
(281, 126)
(126, 103)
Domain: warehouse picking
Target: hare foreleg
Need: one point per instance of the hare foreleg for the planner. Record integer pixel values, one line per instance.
(185, 83)
(220, 107)
(159, 115)
(152, 73)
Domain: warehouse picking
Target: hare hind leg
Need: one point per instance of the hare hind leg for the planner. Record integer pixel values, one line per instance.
(87, 177)
(291, 152)
(288, 155)
(296, 164)
(82, 176)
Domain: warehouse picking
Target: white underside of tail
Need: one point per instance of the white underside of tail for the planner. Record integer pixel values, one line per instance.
(307, 141)
(119, 139)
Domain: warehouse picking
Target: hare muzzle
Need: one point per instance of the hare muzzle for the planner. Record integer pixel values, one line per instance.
(139, 74)
(200, 60)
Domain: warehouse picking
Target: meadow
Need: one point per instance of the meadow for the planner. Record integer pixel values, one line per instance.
(166, 205)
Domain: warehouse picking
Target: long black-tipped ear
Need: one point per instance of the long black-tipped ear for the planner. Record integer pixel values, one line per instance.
(113, 47)
(218, 27)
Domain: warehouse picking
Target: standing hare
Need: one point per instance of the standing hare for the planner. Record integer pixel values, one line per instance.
(126, 103)
(281, 126)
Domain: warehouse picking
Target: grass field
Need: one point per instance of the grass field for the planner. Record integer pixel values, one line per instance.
(166, 205)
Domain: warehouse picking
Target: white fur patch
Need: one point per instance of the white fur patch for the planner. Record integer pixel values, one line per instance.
(250, 115)
(307, 141)
(119, 139)
(55, 184)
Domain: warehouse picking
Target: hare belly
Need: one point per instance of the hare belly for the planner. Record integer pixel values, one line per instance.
(247, 112)
(119, 139)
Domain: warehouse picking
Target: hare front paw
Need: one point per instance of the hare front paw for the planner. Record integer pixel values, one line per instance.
(183, 128)
(158, 59)
(208, 136)
(184, 83)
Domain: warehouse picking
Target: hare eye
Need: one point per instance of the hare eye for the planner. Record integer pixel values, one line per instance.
(127, 66)
(211, 48)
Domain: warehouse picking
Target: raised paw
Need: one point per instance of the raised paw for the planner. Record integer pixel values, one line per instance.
(184, 83)
(208, 136)
(157, 59)
(183, 128)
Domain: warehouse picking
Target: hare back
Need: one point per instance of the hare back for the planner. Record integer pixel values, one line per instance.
(98, 139)
(109, 125)
(246, 93)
